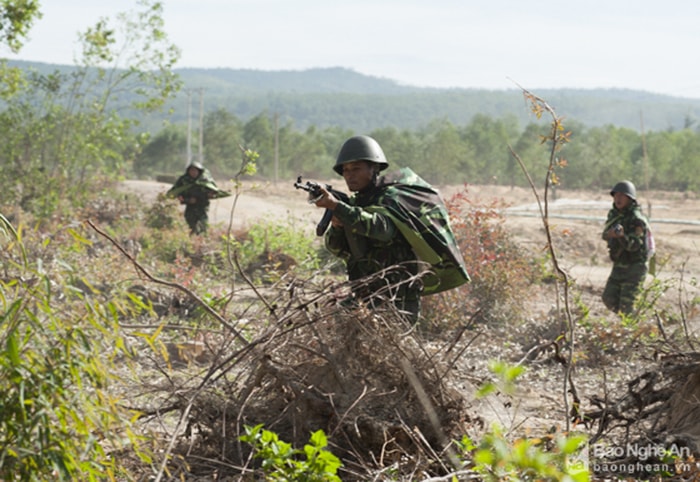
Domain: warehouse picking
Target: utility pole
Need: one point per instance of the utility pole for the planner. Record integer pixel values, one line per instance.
(189, 129)
(201, 126)
(645, 160)
(277, 147)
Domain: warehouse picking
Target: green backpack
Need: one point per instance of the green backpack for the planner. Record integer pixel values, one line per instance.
(422, 218)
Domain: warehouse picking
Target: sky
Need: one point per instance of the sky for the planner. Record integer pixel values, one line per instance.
(648, 45)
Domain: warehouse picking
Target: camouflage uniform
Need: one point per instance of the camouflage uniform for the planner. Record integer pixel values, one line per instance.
(370, 242)
(629, 257)
(392, 228)
(195, 194)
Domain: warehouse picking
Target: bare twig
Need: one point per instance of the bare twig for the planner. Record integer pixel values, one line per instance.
(170, 284)
(684, 318)
(188, 407)
(557, 138)
(248, 158)
(430, 411)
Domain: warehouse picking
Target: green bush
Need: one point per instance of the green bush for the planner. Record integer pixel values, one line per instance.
(280, 461)
(553, 457)
(275, 248)
(162, 214)
(58, 421)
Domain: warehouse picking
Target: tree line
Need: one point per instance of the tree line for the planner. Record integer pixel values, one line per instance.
(478, 152)
(340, 97)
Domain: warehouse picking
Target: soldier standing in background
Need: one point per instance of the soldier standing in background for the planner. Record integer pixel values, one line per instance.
(626, 232)
(195, 188)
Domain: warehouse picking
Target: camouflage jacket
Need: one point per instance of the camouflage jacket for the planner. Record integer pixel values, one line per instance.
(400, 220)
(202, 189)
(632, 248)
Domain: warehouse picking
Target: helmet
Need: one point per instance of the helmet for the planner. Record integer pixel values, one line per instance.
(625, 187)
(196, 164)
(360, 148)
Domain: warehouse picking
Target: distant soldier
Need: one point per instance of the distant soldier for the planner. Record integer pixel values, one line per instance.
(626, 232)
(195, 188)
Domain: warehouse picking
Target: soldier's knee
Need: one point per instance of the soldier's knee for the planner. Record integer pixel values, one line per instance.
(611, 302)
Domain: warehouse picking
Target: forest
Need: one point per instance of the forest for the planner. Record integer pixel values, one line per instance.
(479, 152)
(331, 97)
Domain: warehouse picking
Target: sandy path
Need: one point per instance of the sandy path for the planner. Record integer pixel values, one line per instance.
(254, 202)
(576, 221)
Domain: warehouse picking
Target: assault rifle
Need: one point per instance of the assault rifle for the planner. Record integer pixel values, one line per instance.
(314, 190)
(213, 192)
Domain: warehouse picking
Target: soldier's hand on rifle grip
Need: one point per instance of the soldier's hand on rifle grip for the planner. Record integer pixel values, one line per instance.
(617, 231)
(327, 200)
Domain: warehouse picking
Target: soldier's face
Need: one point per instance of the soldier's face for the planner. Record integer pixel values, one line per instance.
(621, 200)
(193, 172)
(358, 175)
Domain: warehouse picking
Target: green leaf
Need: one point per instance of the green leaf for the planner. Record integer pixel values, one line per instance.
(12, 349)
(572, 444)
(78, 237)
(485, 390)
(484, 457)
(318, 439)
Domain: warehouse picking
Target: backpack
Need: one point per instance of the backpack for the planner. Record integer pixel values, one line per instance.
(649, 243)
(422, 218)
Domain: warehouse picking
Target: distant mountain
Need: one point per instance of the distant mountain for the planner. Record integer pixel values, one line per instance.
(341, 97)
(311, 81)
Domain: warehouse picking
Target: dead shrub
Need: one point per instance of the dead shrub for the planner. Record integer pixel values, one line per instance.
(364, 377)
(659, 410)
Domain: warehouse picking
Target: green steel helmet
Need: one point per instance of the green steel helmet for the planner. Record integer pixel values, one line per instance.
(360, 148)
(196, 164)
(625, 187)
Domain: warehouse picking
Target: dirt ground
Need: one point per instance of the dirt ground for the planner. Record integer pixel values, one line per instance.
(576, 220)
(575, 217)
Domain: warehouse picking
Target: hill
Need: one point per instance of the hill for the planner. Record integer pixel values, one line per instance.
(341, 97)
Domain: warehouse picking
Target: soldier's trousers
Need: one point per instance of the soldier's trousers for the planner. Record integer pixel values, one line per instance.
(623, 286)
(197, 218)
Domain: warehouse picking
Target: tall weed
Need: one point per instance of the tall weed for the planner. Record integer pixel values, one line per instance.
(58, 421)
(501, 272)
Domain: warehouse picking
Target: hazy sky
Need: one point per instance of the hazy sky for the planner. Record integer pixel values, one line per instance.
(650, 45)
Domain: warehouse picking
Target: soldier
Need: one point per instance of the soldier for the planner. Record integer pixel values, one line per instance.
(367, 238)
(394, 231)
(625, 231)
(195, 188)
